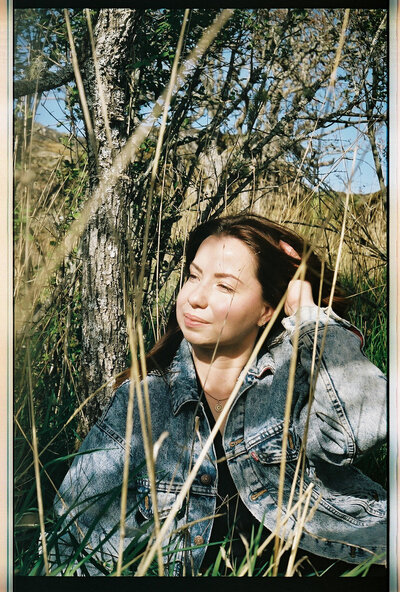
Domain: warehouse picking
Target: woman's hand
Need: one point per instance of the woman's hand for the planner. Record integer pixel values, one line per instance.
(299, 294)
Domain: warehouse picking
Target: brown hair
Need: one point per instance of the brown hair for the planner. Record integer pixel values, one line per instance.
(275, 269)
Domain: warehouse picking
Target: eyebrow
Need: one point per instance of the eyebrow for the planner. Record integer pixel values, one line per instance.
(218, 275)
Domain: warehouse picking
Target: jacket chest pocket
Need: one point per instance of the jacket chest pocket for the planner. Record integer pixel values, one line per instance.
(165, 500)
(267, 454)
(268, 449)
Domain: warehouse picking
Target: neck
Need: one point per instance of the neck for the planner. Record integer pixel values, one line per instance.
(218, 376)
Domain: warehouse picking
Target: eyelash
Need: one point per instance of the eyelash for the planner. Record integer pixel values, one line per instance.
(193, 276)
(227, 288)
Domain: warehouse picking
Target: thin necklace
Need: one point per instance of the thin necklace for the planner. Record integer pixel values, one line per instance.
(217, 407)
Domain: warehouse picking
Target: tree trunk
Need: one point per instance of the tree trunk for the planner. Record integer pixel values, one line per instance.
(370, 100)
(376, 157)
(104, 335)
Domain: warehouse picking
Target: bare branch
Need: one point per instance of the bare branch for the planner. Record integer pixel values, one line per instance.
(48, 81)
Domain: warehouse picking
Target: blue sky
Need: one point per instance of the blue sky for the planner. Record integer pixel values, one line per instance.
(50, 113)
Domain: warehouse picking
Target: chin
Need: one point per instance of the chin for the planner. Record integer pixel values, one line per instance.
(195, 339)
(191, 337)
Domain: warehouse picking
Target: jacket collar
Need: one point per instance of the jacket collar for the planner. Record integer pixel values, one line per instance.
(182, 376)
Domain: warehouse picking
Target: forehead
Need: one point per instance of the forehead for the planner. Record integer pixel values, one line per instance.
(226, 254)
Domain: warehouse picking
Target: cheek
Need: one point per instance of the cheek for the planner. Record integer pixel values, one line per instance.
(227, 310)
(224, 308)
(180, 301)
(181, 298)
(246, 311)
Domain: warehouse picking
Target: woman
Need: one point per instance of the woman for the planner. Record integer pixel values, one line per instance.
(238, 270)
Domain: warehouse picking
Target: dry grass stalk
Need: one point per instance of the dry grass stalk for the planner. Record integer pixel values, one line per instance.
(98, 79)
(157, 333)
(339, 48)
(32, 449)
(287, 411)
(297, 535)
(288, 407)
(128, 438)
(301, 461)
(135, 385)
(74, 414)
(284, 520)
(312, 382)
(171, 86)
(302, 453)
(81, 90)
(247, 550)
(312, 387)
(145, 418)
(37, 469)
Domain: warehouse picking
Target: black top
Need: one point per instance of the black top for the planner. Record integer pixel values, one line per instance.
(235, 518)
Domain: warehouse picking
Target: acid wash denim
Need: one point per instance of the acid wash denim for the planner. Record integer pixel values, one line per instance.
(347, 510)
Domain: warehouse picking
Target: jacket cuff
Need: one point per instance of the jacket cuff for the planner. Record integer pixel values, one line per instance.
(323, 316)
(306, 314)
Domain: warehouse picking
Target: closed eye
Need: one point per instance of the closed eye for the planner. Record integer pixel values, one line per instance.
(226, 288)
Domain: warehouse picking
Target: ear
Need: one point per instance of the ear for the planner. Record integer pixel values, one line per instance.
(289, 250)
(267, 313)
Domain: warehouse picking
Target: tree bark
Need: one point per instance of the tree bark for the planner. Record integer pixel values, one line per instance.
(104, 334)
(45, 82)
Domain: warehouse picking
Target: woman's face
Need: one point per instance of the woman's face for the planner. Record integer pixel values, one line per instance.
(222, 302)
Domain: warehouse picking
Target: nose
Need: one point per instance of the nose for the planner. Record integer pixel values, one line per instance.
(198, 296)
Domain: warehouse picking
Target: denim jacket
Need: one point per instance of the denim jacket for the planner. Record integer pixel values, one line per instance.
(347, 510)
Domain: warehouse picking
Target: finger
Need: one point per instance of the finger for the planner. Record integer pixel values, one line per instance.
(289, 250)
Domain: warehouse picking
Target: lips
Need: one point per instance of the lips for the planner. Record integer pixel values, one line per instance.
(193, 321)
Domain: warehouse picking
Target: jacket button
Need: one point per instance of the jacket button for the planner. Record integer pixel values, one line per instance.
(205, 479)
(198, 540)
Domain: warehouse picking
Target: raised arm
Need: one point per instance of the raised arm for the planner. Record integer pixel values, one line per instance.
(348, 412)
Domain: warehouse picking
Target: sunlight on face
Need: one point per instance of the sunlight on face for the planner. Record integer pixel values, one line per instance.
(222, 299)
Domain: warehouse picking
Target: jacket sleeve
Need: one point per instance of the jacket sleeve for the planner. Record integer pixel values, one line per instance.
(87, 505)
(348, 411)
